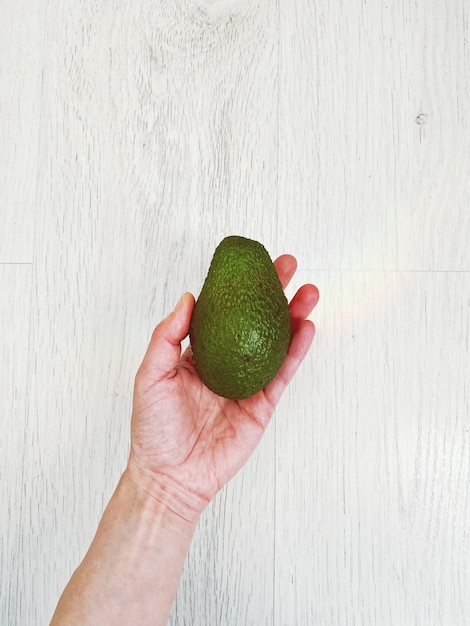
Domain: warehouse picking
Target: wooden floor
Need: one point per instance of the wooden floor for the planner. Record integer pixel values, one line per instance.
(133, 137)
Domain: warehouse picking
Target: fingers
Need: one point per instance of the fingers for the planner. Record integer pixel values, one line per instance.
(285, 266)
(301, 341)
(303, 332)
(164, 350)
(306, 297)
(304, 301)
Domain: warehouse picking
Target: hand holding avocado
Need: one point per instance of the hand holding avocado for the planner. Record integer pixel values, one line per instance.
(187, 440)
(186, 437)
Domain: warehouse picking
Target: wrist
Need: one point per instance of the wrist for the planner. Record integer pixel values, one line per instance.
(161, 498)
(131, 571)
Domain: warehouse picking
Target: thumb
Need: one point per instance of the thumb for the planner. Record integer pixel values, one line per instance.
(164, 350)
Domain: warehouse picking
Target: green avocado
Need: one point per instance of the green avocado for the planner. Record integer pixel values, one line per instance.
(241, 326)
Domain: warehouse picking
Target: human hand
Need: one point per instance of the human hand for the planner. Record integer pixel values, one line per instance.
(186, 441)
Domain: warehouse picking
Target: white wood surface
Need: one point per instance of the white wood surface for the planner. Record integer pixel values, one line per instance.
(133, 138)
(21, 41)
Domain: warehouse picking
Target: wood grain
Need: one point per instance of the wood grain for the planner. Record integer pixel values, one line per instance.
(15, 306)
(21, 44)
(374, 145)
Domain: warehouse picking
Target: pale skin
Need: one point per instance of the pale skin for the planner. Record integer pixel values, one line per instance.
(186, 444)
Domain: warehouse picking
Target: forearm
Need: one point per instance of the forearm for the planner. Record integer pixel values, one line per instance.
(131, 572)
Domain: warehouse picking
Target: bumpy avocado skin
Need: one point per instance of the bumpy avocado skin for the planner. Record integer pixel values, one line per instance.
(241, 326)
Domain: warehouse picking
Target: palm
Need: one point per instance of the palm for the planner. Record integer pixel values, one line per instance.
(188, 435)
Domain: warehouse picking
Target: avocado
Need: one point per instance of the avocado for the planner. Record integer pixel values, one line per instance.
(241, 326)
